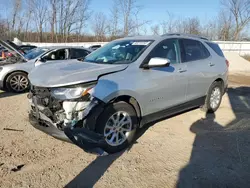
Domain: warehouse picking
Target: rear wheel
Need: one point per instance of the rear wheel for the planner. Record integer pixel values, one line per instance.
(213, 98)
(17, 82)
(118, 125)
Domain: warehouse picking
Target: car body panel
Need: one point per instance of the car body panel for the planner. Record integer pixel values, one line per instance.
(70, 72)
(151, 99)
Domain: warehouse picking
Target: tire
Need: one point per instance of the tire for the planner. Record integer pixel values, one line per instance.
(105, 121)
(19, 87)
(208, 106)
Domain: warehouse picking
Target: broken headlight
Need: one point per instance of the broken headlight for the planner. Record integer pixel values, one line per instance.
(76, 92)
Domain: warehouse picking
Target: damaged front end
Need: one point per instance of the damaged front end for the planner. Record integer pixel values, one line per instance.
(68, 114)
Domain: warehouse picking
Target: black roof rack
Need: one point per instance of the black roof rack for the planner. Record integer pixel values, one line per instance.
(184, 34)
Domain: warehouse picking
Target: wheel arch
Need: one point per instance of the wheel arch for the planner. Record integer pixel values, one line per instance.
(130, 100)
(221, 81)
(216, 80)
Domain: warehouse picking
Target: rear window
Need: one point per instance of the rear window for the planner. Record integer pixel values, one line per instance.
(216, 48)
(192, 50)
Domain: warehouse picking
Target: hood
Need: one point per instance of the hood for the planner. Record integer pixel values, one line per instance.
(12, 47)
(70, 73)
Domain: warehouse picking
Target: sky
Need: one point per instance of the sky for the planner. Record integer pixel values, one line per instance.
(156, 10)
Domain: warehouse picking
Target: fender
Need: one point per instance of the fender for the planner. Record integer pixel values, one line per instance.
(107, 90)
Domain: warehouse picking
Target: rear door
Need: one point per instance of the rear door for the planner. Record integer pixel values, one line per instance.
(199, 67)
(78, 53)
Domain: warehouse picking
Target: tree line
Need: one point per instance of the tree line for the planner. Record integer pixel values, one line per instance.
(74, 21)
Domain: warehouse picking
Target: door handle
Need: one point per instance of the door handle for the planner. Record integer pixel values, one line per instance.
(211, 64)
(182, 70)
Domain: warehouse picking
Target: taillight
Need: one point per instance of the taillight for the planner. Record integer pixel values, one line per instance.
(227, 63)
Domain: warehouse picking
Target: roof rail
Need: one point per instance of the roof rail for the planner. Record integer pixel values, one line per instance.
(184, 34)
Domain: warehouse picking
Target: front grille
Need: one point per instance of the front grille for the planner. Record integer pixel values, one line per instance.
(45, 99)
(41, 92)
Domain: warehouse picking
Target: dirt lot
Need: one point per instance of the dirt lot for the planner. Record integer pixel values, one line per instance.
(189, 150)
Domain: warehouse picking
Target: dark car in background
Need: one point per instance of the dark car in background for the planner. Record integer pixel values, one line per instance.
(95, 47)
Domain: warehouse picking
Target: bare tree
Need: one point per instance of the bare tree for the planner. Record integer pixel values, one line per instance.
(225, 31)
(155, 30)
(53, 17)
(83, 15)
(40, 11)
(113, 25)
(240, 11)
(130, 11)
(27, 14)
(169, 25)
(99, 26)
(15, 12)
(210, 30)
(192, 26)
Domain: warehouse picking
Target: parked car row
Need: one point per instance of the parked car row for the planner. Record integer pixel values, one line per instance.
(100, 101)
(14, 71)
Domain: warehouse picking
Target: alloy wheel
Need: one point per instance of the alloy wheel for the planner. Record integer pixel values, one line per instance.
(19, 83)
(215, 97)
(118, 128)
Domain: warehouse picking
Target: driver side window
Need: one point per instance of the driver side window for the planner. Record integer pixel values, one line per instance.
(57, 55)
(167, 50)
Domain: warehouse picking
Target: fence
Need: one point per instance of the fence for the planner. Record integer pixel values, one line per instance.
(240, 47)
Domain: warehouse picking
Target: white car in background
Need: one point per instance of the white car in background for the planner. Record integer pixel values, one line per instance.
(14, 71)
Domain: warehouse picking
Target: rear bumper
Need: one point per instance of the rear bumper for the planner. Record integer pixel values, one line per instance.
(89, 141)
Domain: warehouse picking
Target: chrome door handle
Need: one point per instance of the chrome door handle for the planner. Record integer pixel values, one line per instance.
(182, 70)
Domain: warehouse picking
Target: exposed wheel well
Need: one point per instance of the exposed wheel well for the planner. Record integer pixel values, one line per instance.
(132, 101)
(5, 78)
(220, 80)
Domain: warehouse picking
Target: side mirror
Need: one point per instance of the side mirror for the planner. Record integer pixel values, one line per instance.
(43, 60)
(158, 62)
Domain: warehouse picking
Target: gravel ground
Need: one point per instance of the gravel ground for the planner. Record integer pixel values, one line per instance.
(189, 150)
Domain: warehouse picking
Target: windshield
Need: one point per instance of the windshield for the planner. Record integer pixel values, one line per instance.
(119, 52)
(34, 53)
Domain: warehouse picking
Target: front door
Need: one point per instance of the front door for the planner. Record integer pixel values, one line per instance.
(165, 87)
(54, 56)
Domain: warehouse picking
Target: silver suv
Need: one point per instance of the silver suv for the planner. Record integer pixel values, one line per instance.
(98, 104)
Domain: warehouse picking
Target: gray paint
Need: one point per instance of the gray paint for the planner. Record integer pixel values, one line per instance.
(154, 89)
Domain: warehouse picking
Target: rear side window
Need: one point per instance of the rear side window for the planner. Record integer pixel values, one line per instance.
(192, 50)
(216, 48)
(78, 53)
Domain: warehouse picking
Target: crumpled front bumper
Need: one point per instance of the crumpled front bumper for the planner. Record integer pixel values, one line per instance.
(89, 141)
(85, 138)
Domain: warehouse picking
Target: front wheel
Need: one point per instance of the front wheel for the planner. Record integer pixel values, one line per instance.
(213, 98)
(118, 125)
(17, 82)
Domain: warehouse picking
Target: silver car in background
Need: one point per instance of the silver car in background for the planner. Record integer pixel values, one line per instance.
(99, 104)
(14, 71)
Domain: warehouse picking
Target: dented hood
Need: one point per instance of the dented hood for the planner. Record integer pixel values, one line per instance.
(70, 72)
